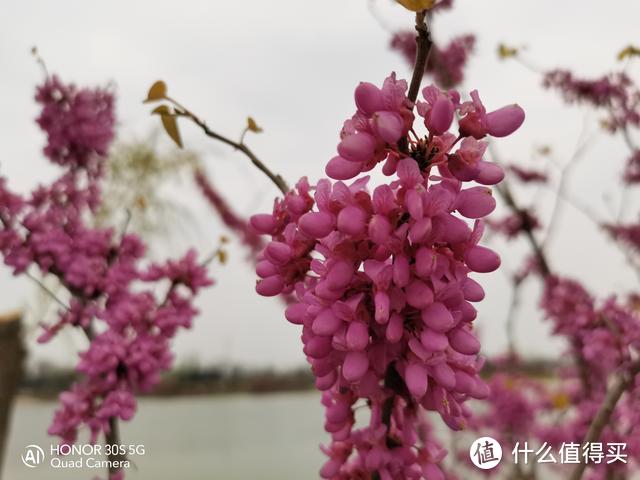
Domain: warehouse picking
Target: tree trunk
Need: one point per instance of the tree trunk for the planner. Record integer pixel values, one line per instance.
(11, 357)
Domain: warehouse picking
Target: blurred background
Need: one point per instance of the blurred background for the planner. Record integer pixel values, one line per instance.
(293, 67)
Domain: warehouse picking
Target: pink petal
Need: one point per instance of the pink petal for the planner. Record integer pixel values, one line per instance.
(417, 379)
(438, 317)
(355, 366)
(317, 224)
(505, 121)
(481, 259)
(340, 169)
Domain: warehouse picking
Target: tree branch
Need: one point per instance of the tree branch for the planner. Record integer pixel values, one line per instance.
(624, 381)
(274, 177)
(422, 56)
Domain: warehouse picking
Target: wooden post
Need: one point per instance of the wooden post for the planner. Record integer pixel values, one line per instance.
(11, 357)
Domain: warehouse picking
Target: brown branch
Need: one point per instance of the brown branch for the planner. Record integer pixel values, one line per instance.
(509, 199)
(424, 42)
(113, 438)
(624, 381)
(274, 177)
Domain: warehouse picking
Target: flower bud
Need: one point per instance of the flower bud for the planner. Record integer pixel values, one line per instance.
(440, 116)
(326, 323)
(389, 126)
(489, 173)
(264, 223)
(368, 98)
(438, 317)
(316, 224)
(355, 366)
(352, 220)
(357, 336)
(358, 147)
(270, 286)
(463, 341)
(475, 202)
(505, 120)
(340, 169)
(481, 259)
(417, 379)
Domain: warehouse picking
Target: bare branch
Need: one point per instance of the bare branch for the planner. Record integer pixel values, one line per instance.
(274, 177)
(422, 57)
(622, 383)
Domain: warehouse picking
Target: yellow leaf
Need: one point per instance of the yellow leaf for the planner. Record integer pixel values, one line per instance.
(158, 91)
(161, 110)
(506, 52)
(544, 150)
(170, 125)
(253, 126)
(560, 401)
(629, 51)
(141, 202)
(417, 5)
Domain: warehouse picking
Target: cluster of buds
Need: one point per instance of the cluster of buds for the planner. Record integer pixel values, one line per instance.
(111, 293)
(382, 280)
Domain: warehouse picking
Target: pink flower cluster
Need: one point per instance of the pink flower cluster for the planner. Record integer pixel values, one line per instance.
(78, 123)
(602, 339)
(528, 175)
(616, 93)
(112, 296)
(446, 64)
(628, 234)
(514, 224)
(632, 169)
(382, 278)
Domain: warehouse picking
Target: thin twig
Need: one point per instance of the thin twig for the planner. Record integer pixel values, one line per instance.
(624, 381)
(565, 172)
(47, 290)
(512, 316)
(274, 177)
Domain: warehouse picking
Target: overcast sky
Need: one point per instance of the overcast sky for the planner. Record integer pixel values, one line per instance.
(293, 66)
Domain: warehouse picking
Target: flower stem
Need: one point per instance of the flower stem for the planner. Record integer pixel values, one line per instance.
(422, 56)
(274, 177)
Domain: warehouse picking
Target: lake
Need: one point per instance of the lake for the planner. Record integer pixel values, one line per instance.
(226, 437)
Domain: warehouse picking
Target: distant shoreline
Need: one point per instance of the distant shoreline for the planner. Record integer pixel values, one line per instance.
(191, 381)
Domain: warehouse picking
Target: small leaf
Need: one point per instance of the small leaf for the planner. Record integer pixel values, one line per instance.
(629, 51)
(544, 150)
(417, 5)
(170, 124)
(158, 91)
(560, 401)
(252, 126)
(161, 110)
(505, 51)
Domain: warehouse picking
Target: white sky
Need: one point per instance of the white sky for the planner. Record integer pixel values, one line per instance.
(293, 66)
